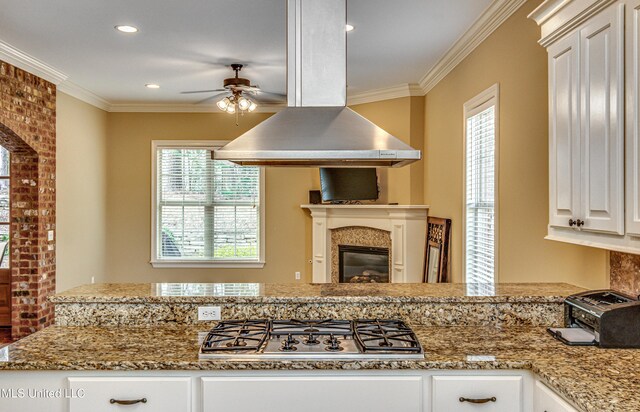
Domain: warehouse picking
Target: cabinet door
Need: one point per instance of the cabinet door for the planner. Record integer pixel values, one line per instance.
(633, 117)
(545, 400)
(602, 121)
(564, 131)
(477, 393)
(142, 394)
(313, 394)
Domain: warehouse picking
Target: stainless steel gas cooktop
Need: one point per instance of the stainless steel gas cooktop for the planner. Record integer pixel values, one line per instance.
(311, 339)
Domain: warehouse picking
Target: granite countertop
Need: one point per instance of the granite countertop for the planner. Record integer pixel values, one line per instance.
(596, 380)
(316, 292)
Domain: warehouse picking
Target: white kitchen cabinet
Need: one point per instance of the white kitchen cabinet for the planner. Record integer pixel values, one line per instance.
(564, 131)
(586, 133)
(135, 394)
(545, 400)
(594, 147)
(633, 117)
(602, 121)
(477, 393)
(313, 393)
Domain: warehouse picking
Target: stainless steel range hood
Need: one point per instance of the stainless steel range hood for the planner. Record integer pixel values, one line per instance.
(316, 129)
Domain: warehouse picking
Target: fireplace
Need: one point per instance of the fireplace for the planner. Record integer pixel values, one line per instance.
(399, 228)
(363, 264)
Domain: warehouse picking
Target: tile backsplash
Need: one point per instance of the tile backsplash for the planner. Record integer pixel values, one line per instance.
(625, 273)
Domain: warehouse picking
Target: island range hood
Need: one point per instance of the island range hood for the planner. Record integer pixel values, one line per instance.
(316, 129)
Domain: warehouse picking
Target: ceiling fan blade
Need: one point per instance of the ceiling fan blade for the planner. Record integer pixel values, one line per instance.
(210, 98)
(204, 91)
(276, 95)
(268, 100)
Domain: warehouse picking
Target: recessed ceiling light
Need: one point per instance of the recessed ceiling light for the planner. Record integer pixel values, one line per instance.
(350, 27)
(152, 86)
(127, 29)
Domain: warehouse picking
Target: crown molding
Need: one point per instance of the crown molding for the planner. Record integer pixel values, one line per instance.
(387, 93)
(554, 33)
(80, 93)
(29, 63)
(547, 9)
(496, 14)
(181, 108)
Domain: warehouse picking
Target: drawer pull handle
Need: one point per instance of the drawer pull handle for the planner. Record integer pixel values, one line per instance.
(483, 400)
(127, 402)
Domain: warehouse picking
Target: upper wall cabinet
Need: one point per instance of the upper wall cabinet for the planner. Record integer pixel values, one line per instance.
(592, 46)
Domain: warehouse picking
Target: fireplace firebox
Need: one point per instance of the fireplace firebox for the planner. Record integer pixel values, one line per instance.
(363, 264)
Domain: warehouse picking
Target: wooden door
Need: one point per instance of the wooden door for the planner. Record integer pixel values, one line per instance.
(564, 131)
(602, 121)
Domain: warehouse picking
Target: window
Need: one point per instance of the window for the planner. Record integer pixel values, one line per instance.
(480, 188)
(206, 213)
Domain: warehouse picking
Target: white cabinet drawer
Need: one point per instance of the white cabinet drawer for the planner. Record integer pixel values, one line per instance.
(313, 394)
(450, 391)
(545, 400)
(161, 394)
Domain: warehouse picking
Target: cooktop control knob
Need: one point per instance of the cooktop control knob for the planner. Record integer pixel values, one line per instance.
(333, 344)
(311, 340)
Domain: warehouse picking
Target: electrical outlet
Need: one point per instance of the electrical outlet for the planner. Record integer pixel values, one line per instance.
(209, 312)
(93, 279)
(297, 275)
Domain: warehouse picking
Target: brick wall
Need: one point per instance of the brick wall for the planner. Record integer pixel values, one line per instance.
(28, 131)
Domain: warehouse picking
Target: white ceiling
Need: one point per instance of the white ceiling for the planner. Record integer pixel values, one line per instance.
(186, 44)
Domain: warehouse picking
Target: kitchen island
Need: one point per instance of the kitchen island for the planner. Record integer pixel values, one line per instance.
(494, 344)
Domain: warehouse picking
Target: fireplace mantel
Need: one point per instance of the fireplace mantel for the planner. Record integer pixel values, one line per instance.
(407, 225)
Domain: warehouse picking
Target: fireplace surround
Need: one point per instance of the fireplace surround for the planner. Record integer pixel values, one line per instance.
(400, 228)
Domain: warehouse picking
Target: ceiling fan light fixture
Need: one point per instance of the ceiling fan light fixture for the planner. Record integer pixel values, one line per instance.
(253, 106)
(231, 109)
(244, 103)
(223, 104)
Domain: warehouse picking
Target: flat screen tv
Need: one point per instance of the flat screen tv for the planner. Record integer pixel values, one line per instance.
(345, 184)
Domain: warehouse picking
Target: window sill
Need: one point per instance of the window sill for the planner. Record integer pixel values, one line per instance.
(194, 264)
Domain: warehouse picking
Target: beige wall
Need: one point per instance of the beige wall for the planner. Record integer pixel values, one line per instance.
(81, 192)
(129, 201)
(288, 227)
(403, 118)
(512, 58)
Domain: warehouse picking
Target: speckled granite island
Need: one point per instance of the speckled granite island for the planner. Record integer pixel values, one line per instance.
(537, 304)
(503, 340)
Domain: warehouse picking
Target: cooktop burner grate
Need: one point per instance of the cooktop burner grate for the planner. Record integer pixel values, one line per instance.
(311, 339)
(316, 327)
(375, 335)
(236, 335)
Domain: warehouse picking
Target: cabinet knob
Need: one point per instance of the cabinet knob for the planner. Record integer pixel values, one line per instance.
(577, 222)
(127, 402)
(482, 400)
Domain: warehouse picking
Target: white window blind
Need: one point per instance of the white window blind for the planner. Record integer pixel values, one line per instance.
(207, 210)
(480, 207)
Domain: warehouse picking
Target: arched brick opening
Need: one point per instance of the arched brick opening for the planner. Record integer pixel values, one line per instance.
(27, 130)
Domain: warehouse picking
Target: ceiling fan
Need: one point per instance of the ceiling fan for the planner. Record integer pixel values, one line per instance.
(241, 95)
